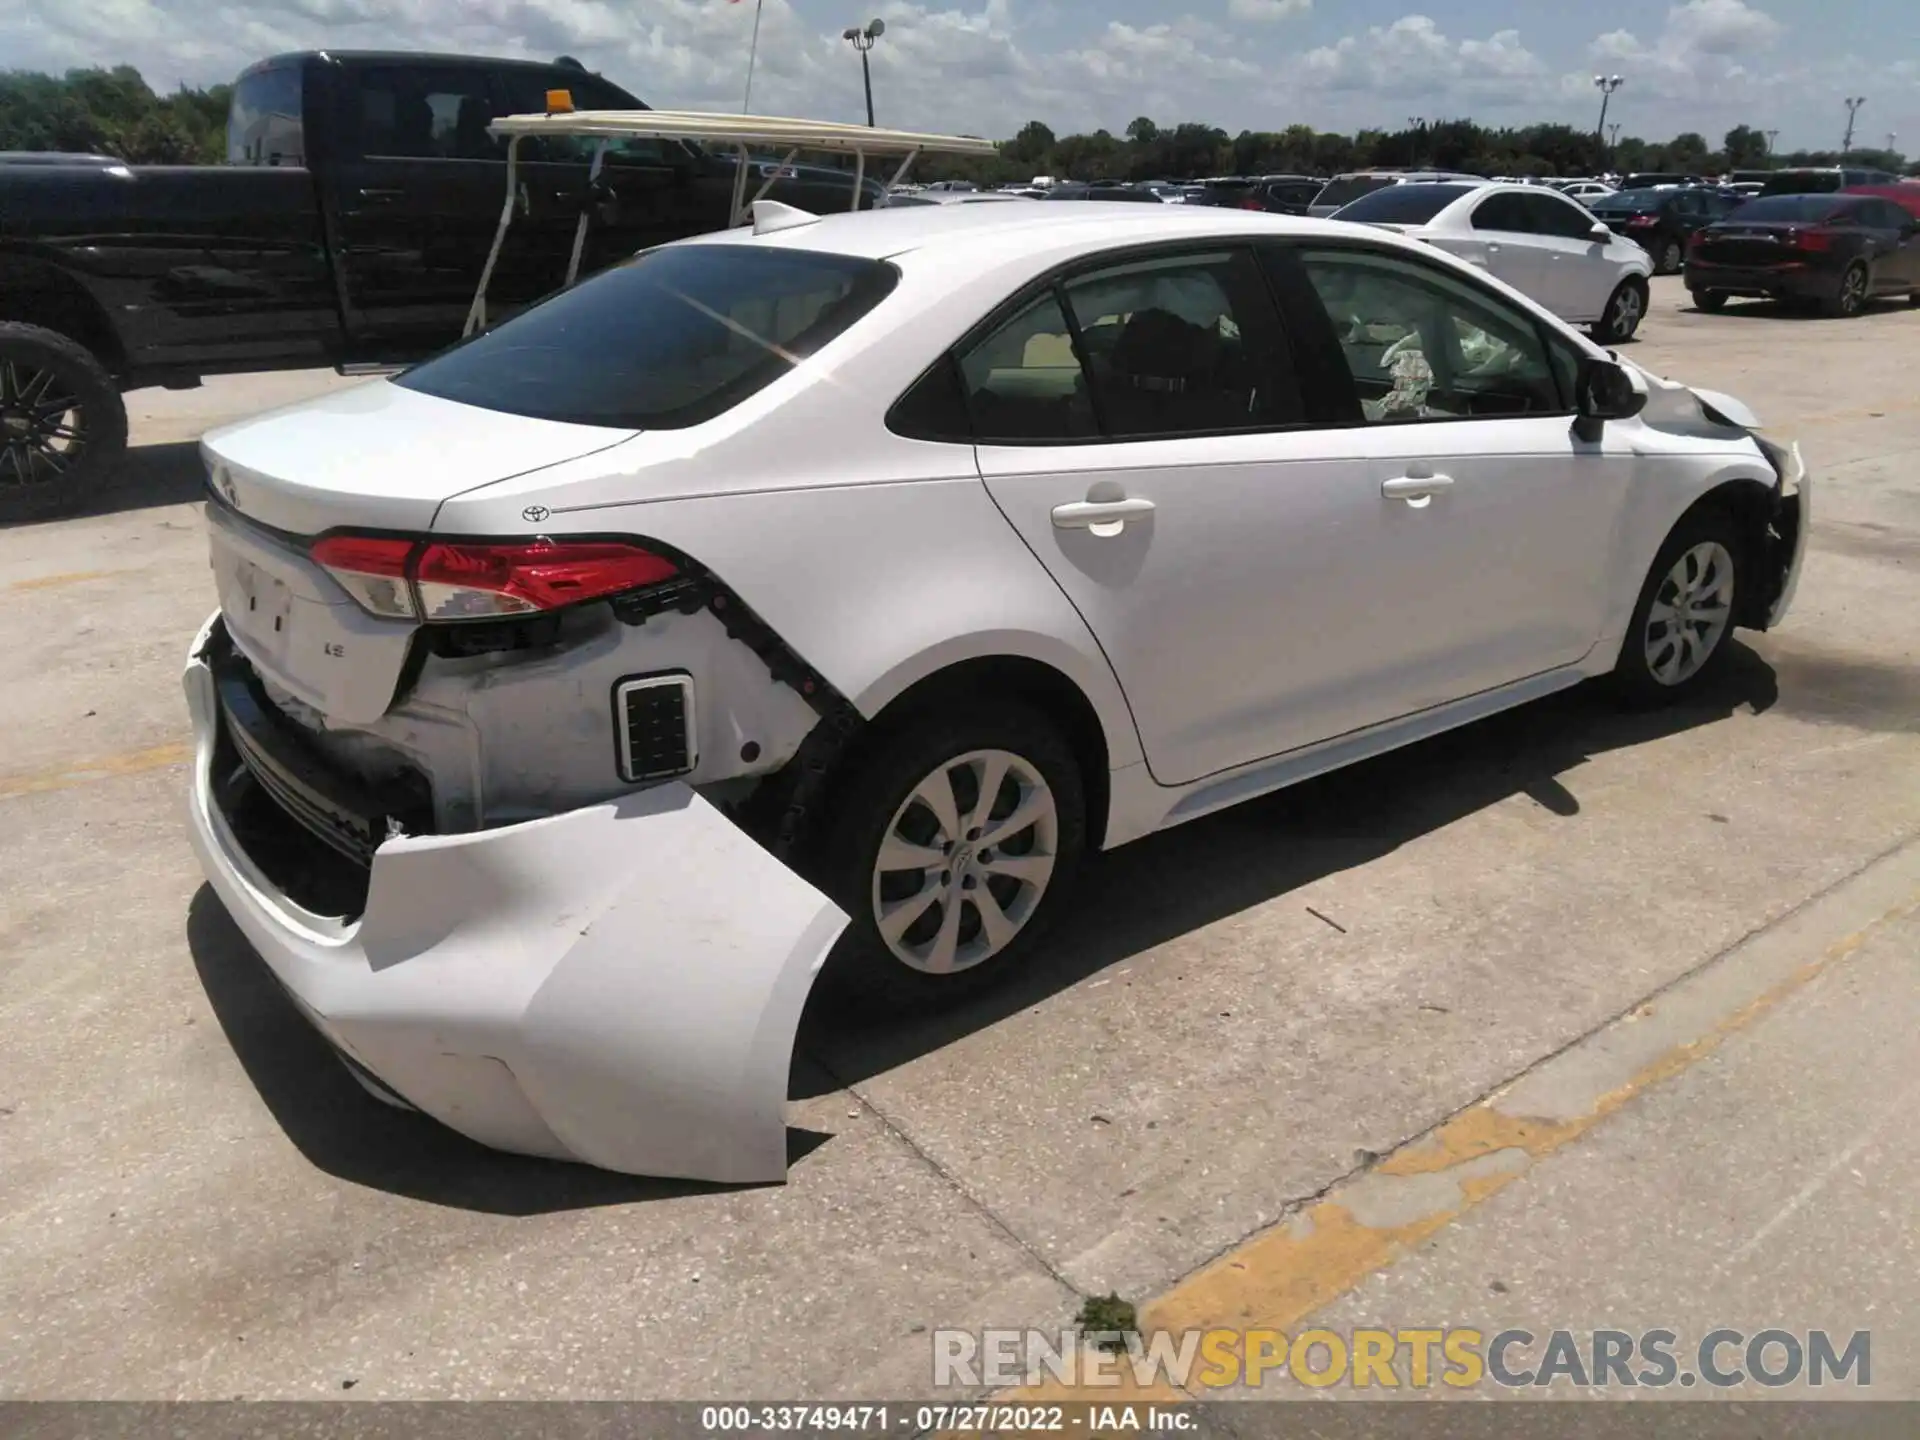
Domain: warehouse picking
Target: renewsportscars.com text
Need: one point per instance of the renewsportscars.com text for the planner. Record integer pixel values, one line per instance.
(1417, 1359)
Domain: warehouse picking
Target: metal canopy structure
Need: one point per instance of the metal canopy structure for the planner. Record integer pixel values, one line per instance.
(736, 131)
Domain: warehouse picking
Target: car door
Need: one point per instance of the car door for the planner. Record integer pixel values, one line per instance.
(1503, 243)
(418, 186)
(1897, 265)
(1144, 428)
(1579, 276)
(1488, 521)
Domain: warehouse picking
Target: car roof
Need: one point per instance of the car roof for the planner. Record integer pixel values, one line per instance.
(952, 230)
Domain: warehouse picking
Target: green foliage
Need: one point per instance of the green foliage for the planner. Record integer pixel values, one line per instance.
(1189, 151)
(1108, 1317)
(112, 112)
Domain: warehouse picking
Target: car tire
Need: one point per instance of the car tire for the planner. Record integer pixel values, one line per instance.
(1856, 284)
(932, 900)
(1698, 576)
(1669, 258)
(1709, 300)
(1626, 308)
(53, 458)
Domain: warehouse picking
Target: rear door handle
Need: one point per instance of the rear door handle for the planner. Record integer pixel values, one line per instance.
(1415, 487)
(380, 197)
(1102, 517)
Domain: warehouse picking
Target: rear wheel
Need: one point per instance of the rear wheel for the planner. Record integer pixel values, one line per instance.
(1684, 617)
(1668, 257)
(952, 847)
(63, 425)
(1851, 297)
(1709, 300)
(1626, 308)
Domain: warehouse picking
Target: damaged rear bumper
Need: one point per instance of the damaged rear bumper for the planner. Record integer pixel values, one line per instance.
(618, 985)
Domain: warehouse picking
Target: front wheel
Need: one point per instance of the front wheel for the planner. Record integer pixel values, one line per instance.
(1684, 616)
(1626, 308)
(63, 425)
(952, 847)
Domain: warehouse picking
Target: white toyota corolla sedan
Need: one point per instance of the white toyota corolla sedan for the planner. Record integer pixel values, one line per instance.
(1545, 245)
(823, 593)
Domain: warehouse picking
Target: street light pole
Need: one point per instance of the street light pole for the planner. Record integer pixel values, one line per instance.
(1772, 135)
(1606, 84)
(1415, 123)
(1854, 102)
(862, 40)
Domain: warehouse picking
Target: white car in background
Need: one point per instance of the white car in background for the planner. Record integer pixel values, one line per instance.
(826, 592)
(1585, 190)
(1547, 247)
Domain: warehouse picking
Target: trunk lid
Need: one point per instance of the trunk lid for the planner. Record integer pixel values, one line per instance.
(379, 457)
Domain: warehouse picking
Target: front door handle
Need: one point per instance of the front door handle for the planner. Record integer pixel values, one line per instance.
(1415, 487)
(375, 196)
(1102, 517)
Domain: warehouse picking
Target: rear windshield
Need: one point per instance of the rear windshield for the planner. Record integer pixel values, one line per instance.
(1403, 204)
(1348, 188)
(670, 338)
(1802, 182)
(1629, 202)
(1787, 207)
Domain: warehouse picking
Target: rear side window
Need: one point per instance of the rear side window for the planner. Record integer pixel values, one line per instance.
(437, 112)
(1806, 208)
(669, 339)
(1404, 204)
(1506, 211)
(264, 124)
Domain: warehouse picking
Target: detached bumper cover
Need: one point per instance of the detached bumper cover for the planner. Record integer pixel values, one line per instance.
(619, 985)
(1794, 518)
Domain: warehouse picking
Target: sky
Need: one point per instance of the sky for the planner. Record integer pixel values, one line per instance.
(985, 67)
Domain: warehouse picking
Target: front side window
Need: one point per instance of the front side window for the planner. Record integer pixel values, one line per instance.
(421, 112)
(1423, 345)
(668, 339)
(1560, 218)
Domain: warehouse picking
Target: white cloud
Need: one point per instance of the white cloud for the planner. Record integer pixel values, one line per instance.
(1721, 27)
(1261, 12)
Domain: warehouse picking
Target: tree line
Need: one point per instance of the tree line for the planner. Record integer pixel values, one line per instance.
(114, 112)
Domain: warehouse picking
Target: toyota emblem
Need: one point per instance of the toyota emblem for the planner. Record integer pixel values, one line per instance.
(535, 513)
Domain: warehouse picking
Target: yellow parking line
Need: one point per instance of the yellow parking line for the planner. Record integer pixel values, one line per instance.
(1363, 1225)
(71, 577)
(131, 762)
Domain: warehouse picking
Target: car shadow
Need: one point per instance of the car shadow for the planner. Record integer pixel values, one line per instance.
(1156, 889)
(147, 476)
(345, 1132)
(1131, 900)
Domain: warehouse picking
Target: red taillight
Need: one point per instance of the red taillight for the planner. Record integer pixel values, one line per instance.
(1640, 220)
(1812, 240)
(1251, 204)
(372, 569)
(465, 580)
(473, 582)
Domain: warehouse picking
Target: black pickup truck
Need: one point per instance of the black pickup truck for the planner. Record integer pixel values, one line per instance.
(348, 228)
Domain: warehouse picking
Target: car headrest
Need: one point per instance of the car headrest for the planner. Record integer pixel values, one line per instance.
(1159, 351)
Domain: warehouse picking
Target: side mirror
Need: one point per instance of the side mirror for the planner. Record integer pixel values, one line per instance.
(1600, 231)
(1605, 391)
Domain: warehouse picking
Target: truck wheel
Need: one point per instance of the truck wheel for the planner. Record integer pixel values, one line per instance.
(63, 425)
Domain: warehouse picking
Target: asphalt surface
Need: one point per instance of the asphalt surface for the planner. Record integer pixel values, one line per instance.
(196, 1202)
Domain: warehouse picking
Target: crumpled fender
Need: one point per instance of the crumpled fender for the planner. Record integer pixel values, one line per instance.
(619, 985)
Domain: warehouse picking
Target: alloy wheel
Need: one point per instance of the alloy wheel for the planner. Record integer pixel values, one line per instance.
(965, 861)
(1628, 308)
(43, 428)
(1690, 613)
(1853, 291)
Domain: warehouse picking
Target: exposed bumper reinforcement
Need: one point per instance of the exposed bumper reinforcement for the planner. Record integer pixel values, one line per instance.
(618, 985)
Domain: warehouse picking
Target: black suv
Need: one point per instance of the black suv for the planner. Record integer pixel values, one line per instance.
(1663, 221)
